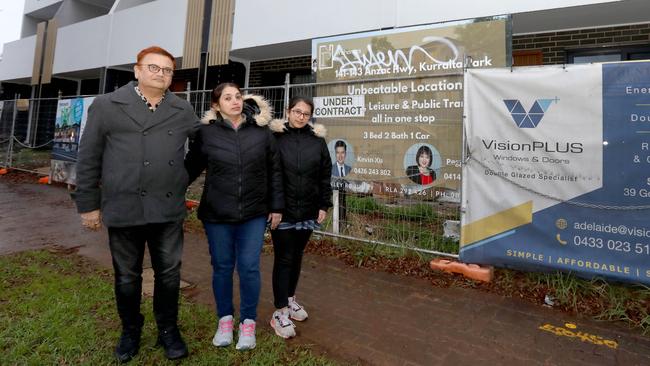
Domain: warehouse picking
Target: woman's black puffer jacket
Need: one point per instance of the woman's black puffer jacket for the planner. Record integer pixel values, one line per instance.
(244, 172)
(307, 169)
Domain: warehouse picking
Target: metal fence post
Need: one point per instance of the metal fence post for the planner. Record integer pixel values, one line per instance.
(30, 116)
(188, 87)
(10, 150)
(335, 211)
(287, 88)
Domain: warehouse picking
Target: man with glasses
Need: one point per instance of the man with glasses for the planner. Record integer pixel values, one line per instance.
(131, 177)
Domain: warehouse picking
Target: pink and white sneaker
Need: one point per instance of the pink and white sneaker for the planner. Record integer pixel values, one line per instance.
(246, 335)
(223, 336)
(296, 311)
(282, 325)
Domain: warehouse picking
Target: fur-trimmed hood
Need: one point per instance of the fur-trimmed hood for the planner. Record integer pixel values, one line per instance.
(255, 108)
(279, 126)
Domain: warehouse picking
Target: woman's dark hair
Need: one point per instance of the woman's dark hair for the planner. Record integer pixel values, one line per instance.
(218, 90)
(297, 99)
(424, 149)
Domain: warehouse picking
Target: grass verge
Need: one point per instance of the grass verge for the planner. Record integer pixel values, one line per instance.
(597, 298)
(59, 309)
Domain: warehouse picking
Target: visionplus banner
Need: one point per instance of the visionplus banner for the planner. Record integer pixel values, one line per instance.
(393, 101)
(558, 175)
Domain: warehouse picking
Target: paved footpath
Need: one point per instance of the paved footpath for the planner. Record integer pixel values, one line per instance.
(359, 316)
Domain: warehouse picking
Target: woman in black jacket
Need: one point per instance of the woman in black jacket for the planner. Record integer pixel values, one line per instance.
(243, 189)
(307, 169)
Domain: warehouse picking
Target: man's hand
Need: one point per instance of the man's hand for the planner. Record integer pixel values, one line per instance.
(321, 216)
(91, 220)
(275, 219)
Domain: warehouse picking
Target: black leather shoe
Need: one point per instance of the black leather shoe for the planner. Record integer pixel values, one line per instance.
(173, 343)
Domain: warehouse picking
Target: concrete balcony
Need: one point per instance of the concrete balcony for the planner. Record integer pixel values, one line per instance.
(18, 60)
(111, 40)
(41, 8)
(82, 45)
(160, 23)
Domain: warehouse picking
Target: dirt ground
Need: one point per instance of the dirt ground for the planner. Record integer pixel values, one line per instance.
(367, 309)
(508, 283)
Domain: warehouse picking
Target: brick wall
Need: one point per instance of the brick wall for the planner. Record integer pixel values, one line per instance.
(284, 65)
(554, 45)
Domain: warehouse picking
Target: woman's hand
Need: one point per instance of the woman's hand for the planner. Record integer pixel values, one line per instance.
(275, 219)
(321, 216)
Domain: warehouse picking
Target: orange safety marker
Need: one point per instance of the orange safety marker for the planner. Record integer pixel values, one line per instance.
(4, 171)
(44, 180)
(473, 271)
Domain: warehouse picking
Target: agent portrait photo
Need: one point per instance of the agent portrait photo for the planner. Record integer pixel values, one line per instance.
(421, 172)
(339, 168)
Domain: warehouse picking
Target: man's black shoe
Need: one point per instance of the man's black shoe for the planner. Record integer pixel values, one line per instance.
(129, 344)
(173, 343)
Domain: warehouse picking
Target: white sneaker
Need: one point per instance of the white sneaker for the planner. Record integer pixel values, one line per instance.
(282, 325)
(223, 336)
(246, 335)
(296, 312)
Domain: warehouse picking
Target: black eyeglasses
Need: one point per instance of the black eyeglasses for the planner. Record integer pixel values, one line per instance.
(167, 71)
(300, 113)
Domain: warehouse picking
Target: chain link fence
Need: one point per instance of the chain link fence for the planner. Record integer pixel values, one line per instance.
(384, 210)
(275, 95)
(374, 212)
(34, 135)
(27, 133)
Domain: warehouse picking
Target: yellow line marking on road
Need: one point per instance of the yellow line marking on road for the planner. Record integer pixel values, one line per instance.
(569, 331)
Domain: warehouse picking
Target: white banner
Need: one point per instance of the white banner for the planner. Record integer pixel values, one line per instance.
(532, 133)
(557, 174)
(339, 106)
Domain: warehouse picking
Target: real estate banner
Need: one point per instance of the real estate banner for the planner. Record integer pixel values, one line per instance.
(558, 172)
(71, 115)
(393, 101)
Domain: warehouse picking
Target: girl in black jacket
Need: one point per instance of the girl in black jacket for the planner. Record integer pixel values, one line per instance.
(243, 189)
(307, 169)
